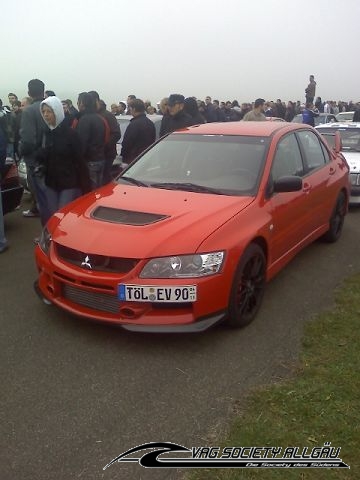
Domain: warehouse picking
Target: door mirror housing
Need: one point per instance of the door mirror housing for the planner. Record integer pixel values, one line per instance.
(289, 183)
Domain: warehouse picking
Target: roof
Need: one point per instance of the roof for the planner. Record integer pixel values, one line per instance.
(338, 125)
(265, 129)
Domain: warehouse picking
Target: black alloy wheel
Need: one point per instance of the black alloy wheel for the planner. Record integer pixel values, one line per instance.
(248, 287)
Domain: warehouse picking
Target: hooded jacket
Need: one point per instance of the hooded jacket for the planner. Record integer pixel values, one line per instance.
(61, 155)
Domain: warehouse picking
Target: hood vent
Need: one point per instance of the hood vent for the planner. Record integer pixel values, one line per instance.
(126, 217)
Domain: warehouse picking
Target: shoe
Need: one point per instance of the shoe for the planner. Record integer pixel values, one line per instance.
(3, 249)
(30, 213)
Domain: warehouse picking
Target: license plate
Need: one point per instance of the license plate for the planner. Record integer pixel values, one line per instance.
(157, 293)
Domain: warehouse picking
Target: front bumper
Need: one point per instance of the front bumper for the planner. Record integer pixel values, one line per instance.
(93, 295)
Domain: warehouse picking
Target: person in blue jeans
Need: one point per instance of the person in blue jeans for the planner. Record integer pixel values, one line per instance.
(61, 170)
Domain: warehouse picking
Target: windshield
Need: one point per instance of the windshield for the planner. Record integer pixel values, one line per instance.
(322, 118)
(219, 164)
(350, 137)
(347, 116)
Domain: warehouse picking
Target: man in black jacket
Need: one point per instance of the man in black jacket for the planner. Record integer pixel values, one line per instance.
(177, 117)
(139, 134)
(32, 129)
(92, 132)
(114, 136)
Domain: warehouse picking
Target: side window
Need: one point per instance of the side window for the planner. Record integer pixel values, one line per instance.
(287, 160)
(313, 150)
(326, 153)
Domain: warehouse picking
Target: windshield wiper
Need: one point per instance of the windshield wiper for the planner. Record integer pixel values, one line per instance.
(190, 187)
(134, 181)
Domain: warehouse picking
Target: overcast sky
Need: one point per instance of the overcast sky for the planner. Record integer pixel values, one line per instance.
(229, 49)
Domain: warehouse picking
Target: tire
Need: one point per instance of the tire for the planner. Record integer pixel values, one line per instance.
(336, 222)
(248, 287)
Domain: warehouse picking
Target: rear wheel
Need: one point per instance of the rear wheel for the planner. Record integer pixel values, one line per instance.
(337, 220)
(248, 287)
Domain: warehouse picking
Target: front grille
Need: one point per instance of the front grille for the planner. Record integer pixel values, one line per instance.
(355, 178)
(102, 302)
(100, 263)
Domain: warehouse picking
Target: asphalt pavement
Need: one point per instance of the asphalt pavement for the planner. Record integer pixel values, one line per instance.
(76, 394)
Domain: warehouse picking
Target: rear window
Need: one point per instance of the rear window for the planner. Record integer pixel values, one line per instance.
(350, 137)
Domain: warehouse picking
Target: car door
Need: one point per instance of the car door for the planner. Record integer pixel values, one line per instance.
(319, 179)
(288, 210)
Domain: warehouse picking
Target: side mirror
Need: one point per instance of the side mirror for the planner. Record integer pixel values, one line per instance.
(288, 184)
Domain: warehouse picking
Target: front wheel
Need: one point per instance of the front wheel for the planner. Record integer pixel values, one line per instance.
(337, 220)
(248, 287)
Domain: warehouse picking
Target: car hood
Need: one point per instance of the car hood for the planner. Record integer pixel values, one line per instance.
(353, 160)
(137, 222)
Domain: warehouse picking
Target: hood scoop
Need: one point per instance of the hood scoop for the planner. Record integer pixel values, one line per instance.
(126, 217)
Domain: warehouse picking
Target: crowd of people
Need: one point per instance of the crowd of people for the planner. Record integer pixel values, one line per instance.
(69, 151)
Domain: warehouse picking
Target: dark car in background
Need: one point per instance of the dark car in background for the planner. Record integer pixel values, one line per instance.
(11, 188)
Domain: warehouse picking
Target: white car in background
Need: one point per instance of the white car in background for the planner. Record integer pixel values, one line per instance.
(345, 117)
(350, 138)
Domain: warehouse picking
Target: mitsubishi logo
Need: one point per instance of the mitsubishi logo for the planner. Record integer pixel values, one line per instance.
(86, 263)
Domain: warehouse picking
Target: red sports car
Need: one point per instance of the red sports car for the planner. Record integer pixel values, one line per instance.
(189, 234)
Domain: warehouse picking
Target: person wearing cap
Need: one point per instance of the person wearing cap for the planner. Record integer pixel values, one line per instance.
(177, 117)
(257, 113)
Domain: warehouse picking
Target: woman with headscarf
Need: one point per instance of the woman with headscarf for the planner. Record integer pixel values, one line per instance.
(65, 174)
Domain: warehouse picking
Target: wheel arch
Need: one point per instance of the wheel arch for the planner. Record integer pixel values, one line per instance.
(262, 243)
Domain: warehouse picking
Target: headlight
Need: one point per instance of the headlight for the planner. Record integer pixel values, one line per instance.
(183, 266)
(45, 241)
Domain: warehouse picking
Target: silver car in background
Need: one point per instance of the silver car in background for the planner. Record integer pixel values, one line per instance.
(350, 139)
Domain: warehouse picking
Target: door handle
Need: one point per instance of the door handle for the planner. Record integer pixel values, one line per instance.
(332, 170)
(306, 188)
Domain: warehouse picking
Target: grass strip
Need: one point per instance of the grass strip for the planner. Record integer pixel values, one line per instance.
(321, 403)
